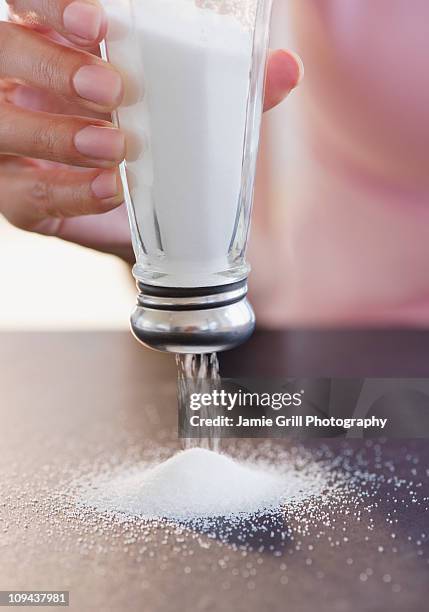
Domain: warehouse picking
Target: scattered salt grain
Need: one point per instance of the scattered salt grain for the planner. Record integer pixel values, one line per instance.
(329, 494)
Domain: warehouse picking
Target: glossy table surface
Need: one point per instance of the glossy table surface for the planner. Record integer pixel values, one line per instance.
(69, 400)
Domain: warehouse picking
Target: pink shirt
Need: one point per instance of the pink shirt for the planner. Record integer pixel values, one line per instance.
(349, 202)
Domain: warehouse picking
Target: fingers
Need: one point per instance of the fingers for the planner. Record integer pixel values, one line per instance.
(32, 197)
(284, 72)
(83, 22)
(77, 141)
(63, 71)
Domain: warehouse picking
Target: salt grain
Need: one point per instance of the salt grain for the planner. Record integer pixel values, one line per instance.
(194, 484)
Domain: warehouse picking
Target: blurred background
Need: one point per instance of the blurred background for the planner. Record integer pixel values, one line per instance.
(50, 284)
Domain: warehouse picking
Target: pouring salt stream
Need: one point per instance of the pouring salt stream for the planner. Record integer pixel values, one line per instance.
(198, 482)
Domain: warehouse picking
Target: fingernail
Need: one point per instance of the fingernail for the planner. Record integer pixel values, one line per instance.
(105, 186)
(98, 84)
(300, 67)
(98, 142)
(83, 19)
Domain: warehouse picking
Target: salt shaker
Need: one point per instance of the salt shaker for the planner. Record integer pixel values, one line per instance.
(194, 73)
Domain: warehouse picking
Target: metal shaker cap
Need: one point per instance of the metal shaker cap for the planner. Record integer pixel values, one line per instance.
(200, 320)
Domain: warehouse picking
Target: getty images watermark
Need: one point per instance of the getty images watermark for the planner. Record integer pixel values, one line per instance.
(308, 407)
(274, 401)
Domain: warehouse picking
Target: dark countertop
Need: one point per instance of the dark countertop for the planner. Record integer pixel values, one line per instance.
(73, 399)
(332, 353)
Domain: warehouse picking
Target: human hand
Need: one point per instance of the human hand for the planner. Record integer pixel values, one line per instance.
(54, 104)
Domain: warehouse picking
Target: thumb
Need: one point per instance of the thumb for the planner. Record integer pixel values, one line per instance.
(285, 70)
